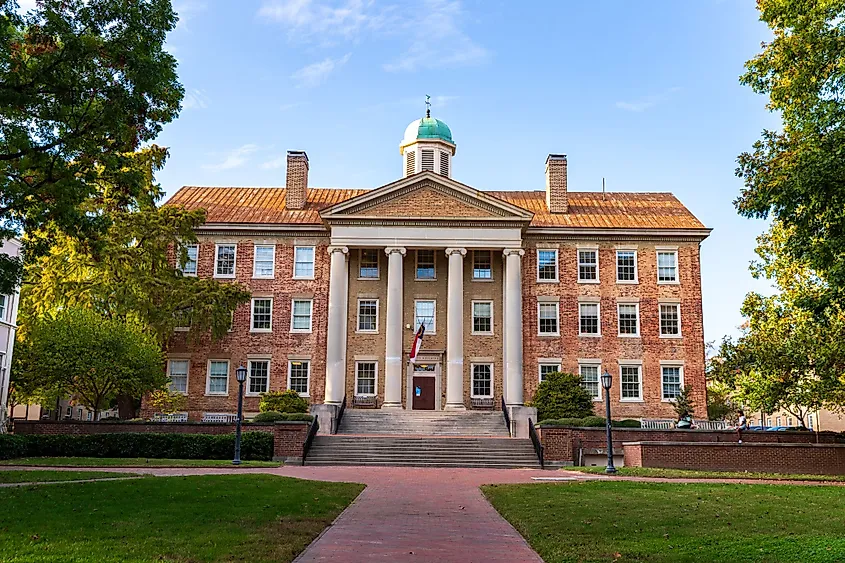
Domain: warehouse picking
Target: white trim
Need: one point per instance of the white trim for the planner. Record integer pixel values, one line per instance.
(255, 248)
(557, 311)
(677, 307)
(252, 314)
(310, 316)
(619, 321)
(378, 264)
(307, 381)
(208, 376)
(196, 261)
(417, 264)
(657, 253)
(170, 360)
(639, 366)
(578, 250)
(217, 258)
(557, 265)
(636, 279)
(472, 267)
(598, 310)
(313, 262)
(472, 318)
(596, 364)
(433, 328)
(375, 384)
(358, 328)
(547, 362)
(472, 393)
(247, 383)
(671, 364)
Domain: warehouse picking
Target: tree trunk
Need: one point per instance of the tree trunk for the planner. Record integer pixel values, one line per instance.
(126, 407)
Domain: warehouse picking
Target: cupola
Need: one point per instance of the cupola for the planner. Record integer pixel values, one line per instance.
(427, 145)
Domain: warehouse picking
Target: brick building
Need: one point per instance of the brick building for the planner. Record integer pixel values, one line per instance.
(509, 285)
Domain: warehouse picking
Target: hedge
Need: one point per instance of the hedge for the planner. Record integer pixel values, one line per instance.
(274, 416)
(254, 446)
(591, 422)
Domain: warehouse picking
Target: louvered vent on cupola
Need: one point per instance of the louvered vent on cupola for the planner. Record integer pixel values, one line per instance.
(428, 159)
(410, 162)
(444, 164)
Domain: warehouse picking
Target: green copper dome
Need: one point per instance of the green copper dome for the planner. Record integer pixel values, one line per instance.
(427, 128)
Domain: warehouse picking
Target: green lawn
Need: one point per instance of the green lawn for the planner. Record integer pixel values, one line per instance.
(131, 462)
(202, 518)
(694, 474)
(39, 476)
(591, 521)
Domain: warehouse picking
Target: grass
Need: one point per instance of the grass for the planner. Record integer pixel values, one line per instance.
(48, 476)
(188, 519)
(130, 462)
(695, 474)
(592, 521)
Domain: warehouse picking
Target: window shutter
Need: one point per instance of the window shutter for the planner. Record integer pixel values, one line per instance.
(410, 162)
(428, 159)
(444, 163)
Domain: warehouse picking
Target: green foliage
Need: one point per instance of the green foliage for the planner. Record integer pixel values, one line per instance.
(167, 402)
(591, 422)
(254, 445)
(561, 395)
(283, 401)
(683, 404)
(274, 416)
(720, 406)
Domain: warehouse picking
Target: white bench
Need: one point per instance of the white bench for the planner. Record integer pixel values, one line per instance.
(175, 417)
(219, 417)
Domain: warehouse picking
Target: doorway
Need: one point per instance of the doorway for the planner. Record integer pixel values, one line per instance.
(423, 383)
(423, 393)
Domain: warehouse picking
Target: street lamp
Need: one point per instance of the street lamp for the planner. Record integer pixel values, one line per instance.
(240, 374)
(606, 383)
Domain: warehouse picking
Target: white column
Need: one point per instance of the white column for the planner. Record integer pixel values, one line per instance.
(393, 331)
(513, 330)
(455, 330)
(504, 328)
(336, 337)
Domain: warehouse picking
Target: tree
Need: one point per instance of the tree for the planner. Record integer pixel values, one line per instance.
(683, 404)
(561, 395)
(797, 175)
(90, 357)
(83, 85)
(283, 401)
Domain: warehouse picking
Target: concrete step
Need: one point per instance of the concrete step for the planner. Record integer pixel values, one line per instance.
(423, 423)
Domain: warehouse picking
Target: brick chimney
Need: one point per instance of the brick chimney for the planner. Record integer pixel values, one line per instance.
(557, 200)
(297, 180)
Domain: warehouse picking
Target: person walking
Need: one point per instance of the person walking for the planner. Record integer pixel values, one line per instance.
(742, 424)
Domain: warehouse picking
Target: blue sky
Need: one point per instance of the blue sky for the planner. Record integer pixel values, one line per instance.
(645, 94)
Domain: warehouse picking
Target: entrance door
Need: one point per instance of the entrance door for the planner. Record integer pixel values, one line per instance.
(423, 393)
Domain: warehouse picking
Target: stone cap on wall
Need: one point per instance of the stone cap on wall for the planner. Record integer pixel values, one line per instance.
(736, 444)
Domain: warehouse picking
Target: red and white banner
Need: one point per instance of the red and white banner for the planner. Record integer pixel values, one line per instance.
(417, 345)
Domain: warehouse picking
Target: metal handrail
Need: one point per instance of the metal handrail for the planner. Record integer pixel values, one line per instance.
(507, 417)
(339, 415)
(538, 447)
(312, 431)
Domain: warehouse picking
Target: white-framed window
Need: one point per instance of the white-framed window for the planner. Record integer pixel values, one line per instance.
(588, 265)
(667, 266)
(426, 269)
(69, 412)
(547, 265)
(626, 266)
(425, 313)
(225, 256)
(671, 381)
(184, 320)
(482, 380)
(547, 318)
(189, 268)
(300, 315)
(79, 415)
(262, 314)
(299, 376)
(366, 378)
(90, 416)
(482, 317)
(769, 422)
(670, 320)
(810, 422)
(629, 319)
(546, 368)
(177, 371)
(482, 265)
(368, 264)
(3, 307)
(259, 377)
(589, 323)
(264, 261)
(789, 421)
(303, 263)
(217, 382)
(590, 374)
(778, 421)
(631, 382)
(368, 315)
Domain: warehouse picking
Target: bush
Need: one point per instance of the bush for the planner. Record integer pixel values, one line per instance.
(283, 401)
(591, 422)
(254, 446)
(561, 395)
(273, 416)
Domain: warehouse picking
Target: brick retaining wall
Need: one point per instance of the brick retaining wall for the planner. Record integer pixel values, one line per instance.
(819, 459)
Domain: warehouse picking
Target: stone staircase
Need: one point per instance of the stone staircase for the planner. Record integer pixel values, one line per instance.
(423, 423)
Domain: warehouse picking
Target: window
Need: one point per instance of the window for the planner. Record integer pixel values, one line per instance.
(303, 262)
(670, 319)
(298, 375)
(588, 319)
(259, 377)
(810, 422)
(79, 414)
(69, 412)
(367, 315)
(365, 378)
(482, 317)
(482, 265)
(177, 370)
(190, 266)
(789, 421)
(410, 162)
(301, 315)
(264, 262)
(224, 261)
(671, 381)
(482, 380)
(667, 267)
(778, 421)
(629, 319)
(424, 314)
(547, 313)
(218, 377)
(626, 266)
(546, 369)
(90, 416)
(425, 265)
(444, 163)
(427, 159)
(2, 307)
(588, 265)
(590, 379)
(547, 265)
(368, 265)
(184, 319)
(768, 422)
(262, 314)
(631, 388)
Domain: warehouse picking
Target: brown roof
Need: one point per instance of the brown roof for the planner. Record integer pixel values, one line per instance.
(586, 209)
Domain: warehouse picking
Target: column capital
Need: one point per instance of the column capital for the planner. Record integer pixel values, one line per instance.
(391, 249)
(451, 251)
(517, 251)
(333, 249)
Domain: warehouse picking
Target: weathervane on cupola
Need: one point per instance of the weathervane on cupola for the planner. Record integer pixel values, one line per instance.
(427, 145)
(428, 106)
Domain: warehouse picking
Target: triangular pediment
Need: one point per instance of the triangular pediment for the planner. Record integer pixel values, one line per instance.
(427, 196)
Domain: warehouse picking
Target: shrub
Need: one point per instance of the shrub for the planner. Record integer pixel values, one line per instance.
(12, 446)
(283, 401)
(591, 422)
(683, 403)
(273, 416)
(561, 395)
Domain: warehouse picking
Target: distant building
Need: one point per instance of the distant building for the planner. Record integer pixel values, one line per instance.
(8, 328)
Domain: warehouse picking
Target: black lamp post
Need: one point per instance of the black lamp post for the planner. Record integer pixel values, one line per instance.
(240, 374)
(606, 383)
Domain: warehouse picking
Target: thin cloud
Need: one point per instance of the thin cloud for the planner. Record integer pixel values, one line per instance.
(187, 10)
(234, 158)
(646, 102)
(195, 99)
(275, 163)
(317, 73)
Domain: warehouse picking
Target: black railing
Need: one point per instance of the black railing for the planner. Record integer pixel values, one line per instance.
(538, 447)
(312, 431)
(507, 418)
(340, 412)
